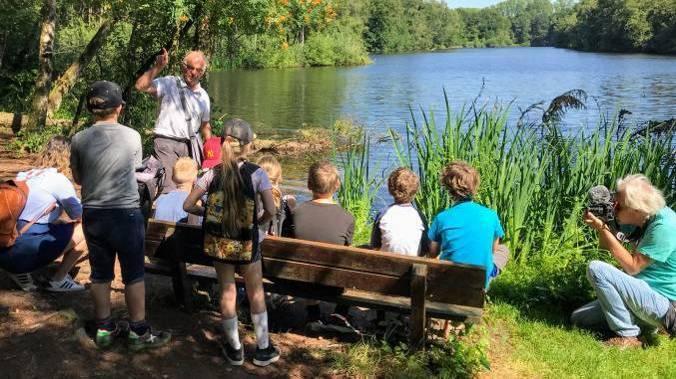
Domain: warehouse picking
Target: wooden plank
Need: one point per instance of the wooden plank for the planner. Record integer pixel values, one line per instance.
(447, 282)
(418, 293)
(368, 260)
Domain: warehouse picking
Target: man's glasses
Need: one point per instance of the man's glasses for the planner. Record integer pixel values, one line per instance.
(188, 67)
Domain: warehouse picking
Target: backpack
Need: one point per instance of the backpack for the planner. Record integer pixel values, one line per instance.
(13, 196)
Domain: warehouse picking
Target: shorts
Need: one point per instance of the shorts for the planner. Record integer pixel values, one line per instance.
(115, 232)
(39, 246)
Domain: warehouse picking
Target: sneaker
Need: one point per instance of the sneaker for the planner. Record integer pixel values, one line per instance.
(234, 356)
(105, 338)
(24, 281)
(67, 284)
(264, 357)
(623, 343)
(151, 339)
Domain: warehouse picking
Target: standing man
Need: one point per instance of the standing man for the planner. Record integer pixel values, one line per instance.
(184, 110)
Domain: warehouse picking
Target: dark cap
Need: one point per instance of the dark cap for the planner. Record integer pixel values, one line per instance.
(104, 95)
(239, 129)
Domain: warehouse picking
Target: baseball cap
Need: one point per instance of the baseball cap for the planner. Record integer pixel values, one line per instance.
(239, 129)
(104, 95)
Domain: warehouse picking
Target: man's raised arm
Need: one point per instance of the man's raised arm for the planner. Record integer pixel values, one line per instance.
(145, 82)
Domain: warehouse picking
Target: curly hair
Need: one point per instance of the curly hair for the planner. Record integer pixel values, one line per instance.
(56, 153)
(403, 185)
(461, 180)
(640, 194)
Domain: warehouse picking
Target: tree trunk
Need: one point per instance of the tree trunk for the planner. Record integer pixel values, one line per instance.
(44, 78)
(3, 46)
(69, 77)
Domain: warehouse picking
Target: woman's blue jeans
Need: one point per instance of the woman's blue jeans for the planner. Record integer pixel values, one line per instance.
(625, 304)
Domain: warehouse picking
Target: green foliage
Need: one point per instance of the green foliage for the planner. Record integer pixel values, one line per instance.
(358, 188)
(537, 181)
(460, 357)
(33, 141)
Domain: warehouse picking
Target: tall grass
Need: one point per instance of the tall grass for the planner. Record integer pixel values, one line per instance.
(358, 188)
(537, 182)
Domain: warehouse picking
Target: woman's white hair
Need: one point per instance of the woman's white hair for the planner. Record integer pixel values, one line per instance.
(640, 194)
(196, 54)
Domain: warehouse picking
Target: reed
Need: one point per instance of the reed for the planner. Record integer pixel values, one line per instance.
(536, 182)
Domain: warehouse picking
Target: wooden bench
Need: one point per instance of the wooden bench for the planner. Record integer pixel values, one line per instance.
(340, 274)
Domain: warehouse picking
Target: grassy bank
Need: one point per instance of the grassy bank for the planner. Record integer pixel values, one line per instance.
(537, 179)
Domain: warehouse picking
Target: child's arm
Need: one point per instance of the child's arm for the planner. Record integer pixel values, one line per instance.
(434, 249)
(190, 204)
(268, 207)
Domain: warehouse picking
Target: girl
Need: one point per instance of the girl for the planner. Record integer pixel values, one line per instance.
(281, 225)
(236, 189)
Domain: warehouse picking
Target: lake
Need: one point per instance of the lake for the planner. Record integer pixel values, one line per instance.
(378, 95)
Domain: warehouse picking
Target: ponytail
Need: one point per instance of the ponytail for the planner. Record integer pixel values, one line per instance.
(233, 191)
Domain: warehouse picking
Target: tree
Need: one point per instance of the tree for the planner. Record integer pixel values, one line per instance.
(43, 81)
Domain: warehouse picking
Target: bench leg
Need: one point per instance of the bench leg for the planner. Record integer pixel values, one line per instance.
(418, 317)
(182, 286)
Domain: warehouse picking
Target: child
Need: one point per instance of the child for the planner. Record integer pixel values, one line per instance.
(467, 232)
(103, 160)
(212, 148)
(44, 234)
(400, 228)
(322, 220)
(282, 222)
(169, 206)
(236, 189)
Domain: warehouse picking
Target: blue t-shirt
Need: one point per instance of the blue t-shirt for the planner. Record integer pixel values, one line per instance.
(169, 207)
(659, 244)
(466, 232)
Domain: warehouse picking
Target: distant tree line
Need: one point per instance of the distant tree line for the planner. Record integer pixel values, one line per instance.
(49, 50)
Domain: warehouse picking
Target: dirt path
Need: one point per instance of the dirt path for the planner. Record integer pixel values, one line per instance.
(42, 335)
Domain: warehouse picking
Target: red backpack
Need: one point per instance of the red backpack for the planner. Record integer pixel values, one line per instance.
(13, 196)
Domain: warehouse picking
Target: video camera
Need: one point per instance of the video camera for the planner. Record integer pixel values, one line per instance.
(601, 203)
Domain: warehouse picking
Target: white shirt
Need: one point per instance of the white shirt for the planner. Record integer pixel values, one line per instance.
(400, 229)
(171, 119)
(45, 187)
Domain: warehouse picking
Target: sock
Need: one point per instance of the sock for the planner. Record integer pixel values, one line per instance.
(260, 322)
(106, 324)
(231, 332)
(313, 312)
(139, 327)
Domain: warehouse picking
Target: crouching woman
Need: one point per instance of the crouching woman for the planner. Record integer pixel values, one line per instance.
(640, 295)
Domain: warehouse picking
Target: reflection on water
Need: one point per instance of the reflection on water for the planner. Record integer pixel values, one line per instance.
(378, 95)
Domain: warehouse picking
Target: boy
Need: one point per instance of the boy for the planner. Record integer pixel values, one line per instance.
(322, 220)
(467, 232)
(212, 148)
(400, 228)
(169, 206)
(103, 159)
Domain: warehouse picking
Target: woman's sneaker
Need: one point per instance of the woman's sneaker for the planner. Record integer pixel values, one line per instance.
(24, 281)
(151, 339)
(264, 357)
(234, 356)
(67, 284)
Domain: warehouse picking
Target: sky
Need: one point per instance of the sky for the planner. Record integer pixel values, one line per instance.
(471, 3)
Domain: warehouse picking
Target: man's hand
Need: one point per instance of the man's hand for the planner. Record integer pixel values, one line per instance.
(593, 221)
(162, 59)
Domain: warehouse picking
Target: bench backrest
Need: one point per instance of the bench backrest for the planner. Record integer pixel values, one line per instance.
(333, 265)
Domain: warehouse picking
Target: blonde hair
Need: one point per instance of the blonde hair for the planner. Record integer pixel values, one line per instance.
(274, 170)
(185, 170)
(461, 180)
(232, 185)
(640, 194)
(403, 185)
(56, 153)
(323, 178)
(199, 55)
